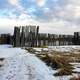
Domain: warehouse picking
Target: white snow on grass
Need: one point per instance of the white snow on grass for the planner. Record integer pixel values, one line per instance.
(5, 46)
(20, 65)
(41, 49)
(76, 67)
(68, 48)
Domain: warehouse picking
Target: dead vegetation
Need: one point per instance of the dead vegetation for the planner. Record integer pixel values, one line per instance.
(31, 50)
(1, 62)
(75, 78)
(58, 60)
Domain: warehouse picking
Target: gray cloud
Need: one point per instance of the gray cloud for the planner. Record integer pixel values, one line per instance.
(53, 16)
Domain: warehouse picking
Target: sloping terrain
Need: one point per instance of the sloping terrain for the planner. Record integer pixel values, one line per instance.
(18, 64)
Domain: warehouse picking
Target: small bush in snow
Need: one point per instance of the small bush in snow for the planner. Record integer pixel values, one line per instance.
(75, 78)
(31, 50)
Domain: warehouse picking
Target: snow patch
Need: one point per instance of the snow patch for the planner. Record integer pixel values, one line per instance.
(20, 65)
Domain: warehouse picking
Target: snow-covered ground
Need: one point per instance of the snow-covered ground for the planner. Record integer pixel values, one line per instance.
(20, 65)
(65, 49)
(5, 46)
(68, 48)
(76, 67)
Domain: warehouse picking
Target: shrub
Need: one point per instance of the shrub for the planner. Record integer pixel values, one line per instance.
(75, 78)
(64, 71)
(31, 50)
(57, 61)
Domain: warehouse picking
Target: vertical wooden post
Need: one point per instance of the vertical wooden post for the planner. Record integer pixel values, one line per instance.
(16, 37)
(22, 37)
(37, 35)
(27, 36)
(32, 35)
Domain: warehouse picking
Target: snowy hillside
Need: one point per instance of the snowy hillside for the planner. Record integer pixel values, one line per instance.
(18, 64)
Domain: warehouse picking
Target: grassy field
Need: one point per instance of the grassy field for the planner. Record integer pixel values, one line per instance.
(59, 61)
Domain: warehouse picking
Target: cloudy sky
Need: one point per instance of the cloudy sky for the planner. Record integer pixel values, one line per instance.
(53, 16)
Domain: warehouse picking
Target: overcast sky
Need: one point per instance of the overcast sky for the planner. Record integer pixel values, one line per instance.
(53, 16)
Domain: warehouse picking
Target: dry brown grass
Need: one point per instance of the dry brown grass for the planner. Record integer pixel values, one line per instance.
(75, 78)
(31, 50)
(59, 60)
(64, 71)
